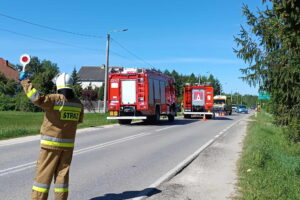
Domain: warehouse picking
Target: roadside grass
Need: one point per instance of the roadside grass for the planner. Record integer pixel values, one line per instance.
(17, 124)
(269, 167)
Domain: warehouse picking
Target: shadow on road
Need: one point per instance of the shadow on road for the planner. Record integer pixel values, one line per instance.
(223, 118)
(166, 122)
(128, 194)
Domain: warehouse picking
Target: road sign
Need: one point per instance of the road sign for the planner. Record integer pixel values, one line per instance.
(24, 60)
(263, 95)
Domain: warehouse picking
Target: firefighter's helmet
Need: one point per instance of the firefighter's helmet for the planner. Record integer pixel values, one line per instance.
(63, 81)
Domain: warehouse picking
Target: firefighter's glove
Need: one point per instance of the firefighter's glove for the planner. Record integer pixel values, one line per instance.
(23, 76)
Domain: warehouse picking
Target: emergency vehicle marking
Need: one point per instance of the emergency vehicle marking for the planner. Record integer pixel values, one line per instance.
(69, 116)
(198, 95)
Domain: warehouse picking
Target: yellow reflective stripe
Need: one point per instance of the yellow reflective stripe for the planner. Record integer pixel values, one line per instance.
(39, 189)
(57, 144)
(31, 92)
(64, 86)
(61, 189)
(67, 108)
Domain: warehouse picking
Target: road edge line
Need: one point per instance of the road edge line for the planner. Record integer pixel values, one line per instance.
(171, 173)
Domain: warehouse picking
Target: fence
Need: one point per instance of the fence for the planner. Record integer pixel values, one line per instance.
(93, 106)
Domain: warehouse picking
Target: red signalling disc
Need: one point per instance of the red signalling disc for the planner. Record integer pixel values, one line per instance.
(24, 59)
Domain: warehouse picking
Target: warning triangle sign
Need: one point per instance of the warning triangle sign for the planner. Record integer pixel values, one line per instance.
(198, 97)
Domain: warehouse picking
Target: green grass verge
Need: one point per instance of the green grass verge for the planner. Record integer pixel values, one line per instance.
(269, 167)
(18, 124)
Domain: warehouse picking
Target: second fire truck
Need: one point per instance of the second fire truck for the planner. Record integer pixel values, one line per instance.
(198, 100)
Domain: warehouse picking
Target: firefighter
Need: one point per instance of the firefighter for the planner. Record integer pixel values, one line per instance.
(63, 111)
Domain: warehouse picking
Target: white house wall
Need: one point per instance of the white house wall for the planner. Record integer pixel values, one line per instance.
(85, 84)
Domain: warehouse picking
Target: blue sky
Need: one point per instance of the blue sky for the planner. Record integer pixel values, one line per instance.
(185, 35)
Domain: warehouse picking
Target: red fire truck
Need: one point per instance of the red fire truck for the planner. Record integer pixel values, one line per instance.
(140, 94)
(198, 100)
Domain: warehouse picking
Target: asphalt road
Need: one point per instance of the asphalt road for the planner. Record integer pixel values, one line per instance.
(112, 163)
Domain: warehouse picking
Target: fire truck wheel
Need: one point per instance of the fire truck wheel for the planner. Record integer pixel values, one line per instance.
(208, 116)
(125, 121)
(171, 118)
(157, 115)
(187, 116)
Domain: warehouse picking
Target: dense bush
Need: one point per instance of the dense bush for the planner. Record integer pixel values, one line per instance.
(22, 103)
(7, 102)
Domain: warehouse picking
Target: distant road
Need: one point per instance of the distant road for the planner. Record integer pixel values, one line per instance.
(116, 162)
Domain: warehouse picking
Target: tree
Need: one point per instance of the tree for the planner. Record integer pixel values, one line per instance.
(167, 72)
(77, 85)
(7, 86)
(193, 79)
(101, 92)
(41, 74)
(8, 89)
(217, 86)
(272, 48)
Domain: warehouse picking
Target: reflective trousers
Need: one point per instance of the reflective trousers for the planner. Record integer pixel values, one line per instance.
(52, 164)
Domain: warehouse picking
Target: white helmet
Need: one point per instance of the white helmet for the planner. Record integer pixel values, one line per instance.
(63, 81)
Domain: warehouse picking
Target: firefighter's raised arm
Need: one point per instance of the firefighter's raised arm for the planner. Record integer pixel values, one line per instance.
(43, 101)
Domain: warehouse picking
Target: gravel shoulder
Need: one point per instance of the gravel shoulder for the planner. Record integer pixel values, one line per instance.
(212, 175)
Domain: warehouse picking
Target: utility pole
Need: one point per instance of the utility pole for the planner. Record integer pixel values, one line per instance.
(107, 69)
(106, 74)
(237, 97)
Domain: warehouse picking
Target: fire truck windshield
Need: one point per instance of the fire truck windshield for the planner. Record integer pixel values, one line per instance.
(219, 101)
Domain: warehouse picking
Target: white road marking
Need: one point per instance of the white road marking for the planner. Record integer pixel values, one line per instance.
(158, 130)
(91, 148)
(76, 152)
(25, 139)
(106, 144)
(16, 167)
(184, 163)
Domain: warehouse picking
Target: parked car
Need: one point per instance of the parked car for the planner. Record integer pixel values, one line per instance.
(242, 109)
(234, 107)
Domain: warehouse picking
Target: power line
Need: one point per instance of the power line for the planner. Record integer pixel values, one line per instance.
(49, 27)
(59, 43)
(46, 40)
(119, 55)
(68, 32)
(134, 55)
